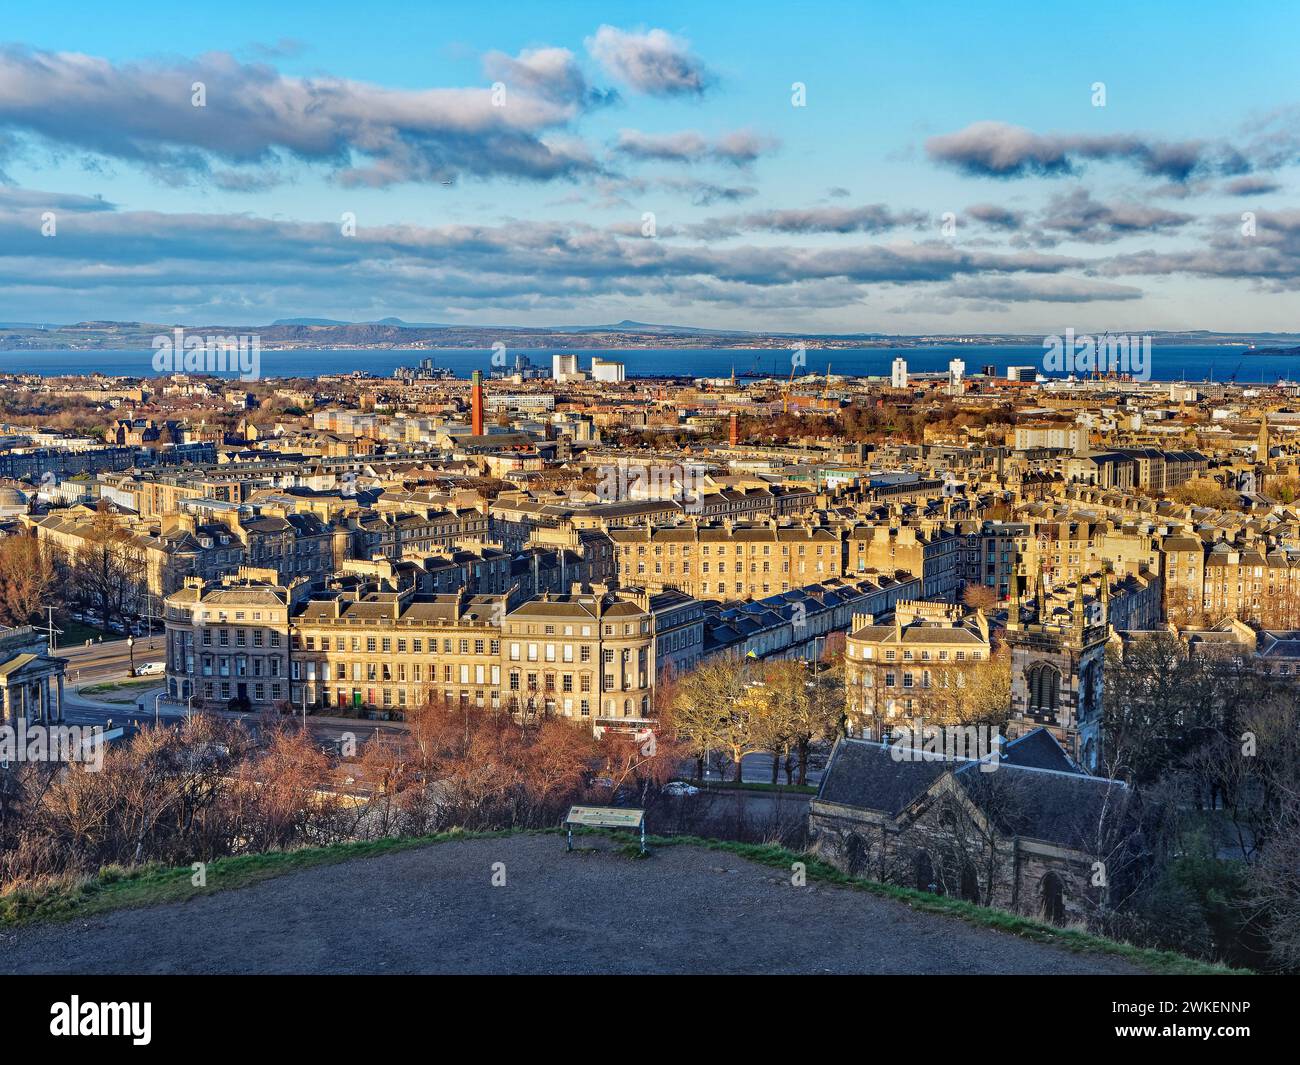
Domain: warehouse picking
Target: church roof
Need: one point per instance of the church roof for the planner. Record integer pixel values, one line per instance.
(1036, 791)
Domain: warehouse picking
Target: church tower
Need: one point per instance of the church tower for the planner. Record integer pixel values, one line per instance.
(1057, 660)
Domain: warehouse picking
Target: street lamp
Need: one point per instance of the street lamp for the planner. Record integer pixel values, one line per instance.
(130, 649)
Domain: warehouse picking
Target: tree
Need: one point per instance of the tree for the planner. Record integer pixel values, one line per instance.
(980, 597)
(1152, 688)
(28, 579)
(109, 568)
(978, 693)
(713, 710)
(800, 707)
(1275, 888)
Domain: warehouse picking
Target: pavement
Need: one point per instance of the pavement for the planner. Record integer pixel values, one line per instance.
(435, 909)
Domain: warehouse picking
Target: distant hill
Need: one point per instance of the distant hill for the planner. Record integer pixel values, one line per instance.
(392, 332)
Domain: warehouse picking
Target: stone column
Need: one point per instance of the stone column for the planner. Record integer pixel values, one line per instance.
(58, 701)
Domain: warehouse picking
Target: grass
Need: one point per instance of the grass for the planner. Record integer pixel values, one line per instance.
(127, 688)
(1164, 962)
(76, 633)
(115, 887)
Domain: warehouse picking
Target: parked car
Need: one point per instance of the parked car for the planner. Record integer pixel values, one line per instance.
(680, 787)
(150, 669)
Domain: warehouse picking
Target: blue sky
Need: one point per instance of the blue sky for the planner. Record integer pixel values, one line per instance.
(822, 218)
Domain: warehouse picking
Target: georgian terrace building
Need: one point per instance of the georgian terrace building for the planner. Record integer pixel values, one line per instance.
(724, 560)
(590, 655)
(912, 667)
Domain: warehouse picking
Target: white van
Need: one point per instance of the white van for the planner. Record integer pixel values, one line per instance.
(150, 669)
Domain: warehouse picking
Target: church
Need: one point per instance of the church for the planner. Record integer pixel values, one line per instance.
(1033, 834)
(1030, 827)
(1058, 657)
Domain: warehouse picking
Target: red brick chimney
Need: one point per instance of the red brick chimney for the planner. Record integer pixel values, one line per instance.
(476, 404)
(735, 429)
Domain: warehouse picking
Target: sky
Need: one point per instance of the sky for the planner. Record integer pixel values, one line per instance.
(817, 168)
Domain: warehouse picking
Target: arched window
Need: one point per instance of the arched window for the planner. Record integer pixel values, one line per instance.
(1052, 893)
(1044, 683)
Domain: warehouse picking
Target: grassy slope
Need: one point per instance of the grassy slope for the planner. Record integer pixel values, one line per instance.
(150, 885)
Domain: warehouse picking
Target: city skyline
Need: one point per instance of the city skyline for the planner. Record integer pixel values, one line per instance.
(659, 165)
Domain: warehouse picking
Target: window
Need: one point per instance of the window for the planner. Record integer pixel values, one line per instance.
(1044, 684)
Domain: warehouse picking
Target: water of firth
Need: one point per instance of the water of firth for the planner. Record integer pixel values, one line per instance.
(1169, 363)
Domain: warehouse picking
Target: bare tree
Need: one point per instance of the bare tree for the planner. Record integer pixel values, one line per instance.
(28, 579)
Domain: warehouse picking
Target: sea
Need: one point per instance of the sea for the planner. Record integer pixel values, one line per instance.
(1168, 363)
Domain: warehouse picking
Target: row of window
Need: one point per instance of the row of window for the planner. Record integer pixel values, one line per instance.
(891, 655)
(722, 550)
(386, 644)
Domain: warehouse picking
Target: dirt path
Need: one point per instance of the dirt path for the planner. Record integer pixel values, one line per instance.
(435, 909)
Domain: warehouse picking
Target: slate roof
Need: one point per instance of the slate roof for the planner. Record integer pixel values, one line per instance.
(1037, 791)
(865, 774)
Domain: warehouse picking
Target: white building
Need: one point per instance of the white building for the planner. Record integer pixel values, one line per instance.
(565, 368)
(898, 377)
(607, 370)
(956, 371)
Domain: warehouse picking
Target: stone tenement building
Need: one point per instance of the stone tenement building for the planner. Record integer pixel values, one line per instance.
(726, 560)
(931, 551)
(590, 655)
(392, 535)
(913, 668)
(1206, 582)
(161, 553)
(517, 515)
(1147, 468)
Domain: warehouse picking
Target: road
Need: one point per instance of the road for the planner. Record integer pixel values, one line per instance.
(757, 769)
(108, 660)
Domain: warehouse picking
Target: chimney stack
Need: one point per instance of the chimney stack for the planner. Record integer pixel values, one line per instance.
(735, 429)
(476, 404)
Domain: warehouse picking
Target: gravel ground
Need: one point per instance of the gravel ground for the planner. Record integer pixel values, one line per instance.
(435, 910)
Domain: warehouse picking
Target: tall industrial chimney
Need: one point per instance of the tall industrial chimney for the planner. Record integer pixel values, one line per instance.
(476, 404)
(735, 429)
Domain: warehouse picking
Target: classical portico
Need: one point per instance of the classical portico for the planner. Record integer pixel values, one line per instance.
(31, 679)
